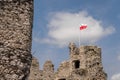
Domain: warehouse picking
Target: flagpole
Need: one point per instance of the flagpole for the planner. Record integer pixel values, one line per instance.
(81, 28)
(79, 38)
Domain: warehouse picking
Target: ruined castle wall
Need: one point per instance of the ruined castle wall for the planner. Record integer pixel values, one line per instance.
(93, 59)
(92, 62)
(63, 70)
(84, 64)
(48, 71)
(35, 72)
(86, 61)
(15, 38)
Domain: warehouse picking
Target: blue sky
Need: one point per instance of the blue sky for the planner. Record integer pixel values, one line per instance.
(56, 22)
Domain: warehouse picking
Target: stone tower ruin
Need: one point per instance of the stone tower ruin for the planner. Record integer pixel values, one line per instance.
(84, 64)
(15, 39)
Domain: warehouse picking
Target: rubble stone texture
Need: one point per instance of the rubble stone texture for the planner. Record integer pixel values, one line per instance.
(84, 64)
(35, 73)
(15, 39)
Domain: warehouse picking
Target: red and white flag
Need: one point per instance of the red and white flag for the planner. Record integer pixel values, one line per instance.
(83, 26)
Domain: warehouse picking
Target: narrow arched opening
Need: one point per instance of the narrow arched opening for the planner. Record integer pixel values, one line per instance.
(77, 64)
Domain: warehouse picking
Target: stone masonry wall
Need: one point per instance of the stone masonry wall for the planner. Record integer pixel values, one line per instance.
(35, 72)
(15, 38)
(84, 64)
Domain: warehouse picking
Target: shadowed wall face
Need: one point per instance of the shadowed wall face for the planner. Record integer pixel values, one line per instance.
(15, 38)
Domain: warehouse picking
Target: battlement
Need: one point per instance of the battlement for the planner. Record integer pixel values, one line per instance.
(83, 49)
(84, 64)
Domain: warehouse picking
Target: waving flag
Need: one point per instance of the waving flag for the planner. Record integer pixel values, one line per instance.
(83, 26)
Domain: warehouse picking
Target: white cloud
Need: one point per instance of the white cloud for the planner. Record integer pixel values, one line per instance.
(64, 28)
(116, 77)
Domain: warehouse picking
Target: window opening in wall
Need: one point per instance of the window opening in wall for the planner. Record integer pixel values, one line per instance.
(77, 64)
